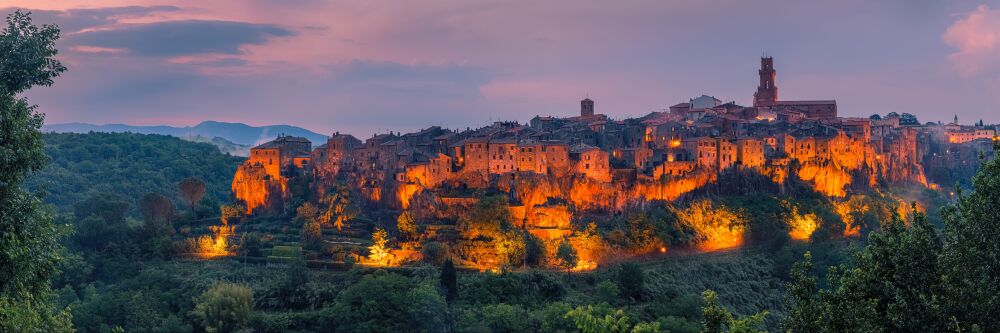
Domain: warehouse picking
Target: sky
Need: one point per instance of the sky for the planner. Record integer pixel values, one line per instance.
(363, 67)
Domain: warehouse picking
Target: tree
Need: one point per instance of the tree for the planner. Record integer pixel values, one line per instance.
(435, 252)
(894, 285)
(387, 302)
(101, 223)
(155, 208)
(225, 307)
(312, 233)
(307, 212)
(718, 319)
(487, 219)
(534, 250)
(589, 320)
(378, 250)
(29, 238)
(449, 280)
(339, 207)
(566, 255)
(156, 211)
(969, 257)
(631, 280)
(28, 58)
(805, 310)
(406, 225)
(250, 244)
(192, 190)
(908, 119)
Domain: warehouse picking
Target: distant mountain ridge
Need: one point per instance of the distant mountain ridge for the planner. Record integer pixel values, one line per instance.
(238, 133)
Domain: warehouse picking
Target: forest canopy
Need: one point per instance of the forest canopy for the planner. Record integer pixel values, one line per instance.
(129, 165)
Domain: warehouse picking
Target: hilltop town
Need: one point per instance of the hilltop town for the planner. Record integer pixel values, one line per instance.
(555, 170)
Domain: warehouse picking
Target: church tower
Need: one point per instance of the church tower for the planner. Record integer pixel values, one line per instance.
(586, 107)
(767, 92)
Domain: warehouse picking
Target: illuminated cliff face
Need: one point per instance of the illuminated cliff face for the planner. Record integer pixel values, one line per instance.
(672, 188)
(827, 178)
(717, 227)
(406, 192)
(255, 188)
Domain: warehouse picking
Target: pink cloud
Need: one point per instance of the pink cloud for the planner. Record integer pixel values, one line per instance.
(976, 37)
(96, 49)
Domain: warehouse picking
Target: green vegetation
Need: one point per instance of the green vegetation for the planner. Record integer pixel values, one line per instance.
(127, 264)
(130, 165)
(29, 241)
(913, 278)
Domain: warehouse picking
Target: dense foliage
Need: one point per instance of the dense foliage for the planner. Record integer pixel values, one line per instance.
(912, 277)
(29, 241)
(130, 165)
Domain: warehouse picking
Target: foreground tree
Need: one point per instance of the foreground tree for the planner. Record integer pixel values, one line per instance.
(909, 279)
(29, 245)
(631, 280)
(971, 252)
(224, 308)
(718, 319)
(588, 320)
(386, 302)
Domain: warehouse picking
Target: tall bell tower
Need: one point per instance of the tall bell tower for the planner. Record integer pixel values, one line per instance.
(586, 107)
(767, 92)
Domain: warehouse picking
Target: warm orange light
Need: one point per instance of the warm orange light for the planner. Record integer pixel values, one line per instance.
(717, 227)
(847, 210)
(215, 245)
(584, 265)
(827, 178)
(802, 225)
(675, 143)
(663, 249)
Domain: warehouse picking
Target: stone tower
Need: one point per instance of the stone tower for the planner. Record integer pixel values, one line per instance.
(586, 107)
(767, 92)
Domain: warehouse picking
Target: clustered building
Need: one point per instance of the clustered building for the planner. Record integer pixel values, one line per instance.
(703, 135)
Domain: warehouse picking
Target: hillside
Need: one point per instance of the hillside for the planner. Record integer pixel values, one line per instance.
(226, 146)
(238, 133)
(130, 165)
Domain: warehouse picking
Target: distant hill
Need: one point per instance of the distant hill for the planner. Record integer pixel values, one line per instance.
(224, 145)
(238, 133)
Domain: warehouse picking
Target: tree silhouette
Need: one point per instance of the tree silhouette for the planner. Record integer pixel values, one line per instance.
(449, 280)
(156, 211)
(192, 190)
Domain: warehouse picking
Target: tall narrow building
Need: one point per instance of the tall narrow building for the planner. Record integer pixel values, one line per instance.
(767, 92)
(586, 107)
